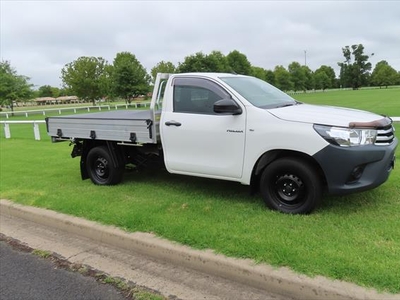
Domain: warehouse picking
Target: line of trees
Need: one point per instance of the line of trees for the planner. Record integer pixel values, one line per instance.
(91, 78)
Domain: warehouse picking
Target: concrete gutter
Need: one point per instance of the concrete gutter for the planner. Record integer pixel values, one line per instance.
(280, 281)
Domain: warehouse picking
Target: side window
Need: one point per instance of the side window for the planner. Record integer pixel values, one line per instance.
(196, 95)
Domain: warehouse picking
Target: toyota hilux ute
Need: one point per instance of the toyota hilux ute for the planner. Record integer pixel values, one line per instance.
(237, 128)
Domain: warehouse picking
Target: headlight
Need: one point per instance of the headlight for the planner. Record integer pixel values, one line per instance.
(347, 137)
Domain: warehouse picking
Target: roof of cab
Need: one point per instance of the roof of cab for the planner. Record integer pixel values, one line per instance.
(207, 75)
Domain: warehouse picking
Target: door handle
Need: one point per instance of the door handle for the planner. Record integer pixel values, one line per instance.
(173, 123)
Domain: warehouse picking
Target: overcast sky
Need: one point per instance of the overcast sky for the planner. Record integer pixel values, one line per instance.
(40, 37)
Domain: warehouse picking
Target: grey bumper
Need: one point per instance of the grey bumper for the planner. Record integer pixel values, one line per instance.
(355, 169)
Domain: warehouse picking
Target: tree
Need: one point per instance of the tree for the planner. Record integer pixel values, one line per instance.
(309, 82)
(48, 91)
(194, 63)
(239, 63)
(65, 92)
(106, 82)
(321, 81)
(354, 71)
(218, 62)
(83, 77)
(13, 87)
(282, 78)
(324, 77)
(162, 67)
(259, 73)
(383, 74)
(297, 76)
(270, 77)
(129, 77)
(200, 62)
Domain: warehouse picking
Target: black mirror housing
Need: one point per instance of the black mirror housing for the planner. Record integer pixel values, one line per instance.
(227, 107)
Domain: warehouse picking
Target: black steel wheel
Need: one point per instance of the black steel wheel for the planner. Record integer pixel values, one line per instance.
(291, 185)
(100, 167)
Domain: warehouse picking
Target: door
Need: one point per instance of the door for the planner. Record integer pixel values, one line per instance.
(198, 141)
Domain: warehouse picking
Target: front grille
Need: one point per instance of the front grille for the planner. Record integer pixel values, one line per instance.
(385, 135)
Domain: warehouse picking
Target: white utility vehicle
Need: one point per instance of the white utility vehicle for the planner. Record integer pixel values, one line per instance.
(237, 128)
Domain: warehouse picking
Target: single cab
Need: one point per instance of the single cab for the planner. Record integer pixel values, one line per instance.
(237, 128)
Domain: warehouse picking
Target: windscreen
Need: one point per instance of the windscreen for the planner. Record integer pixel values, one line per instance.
(258, 92)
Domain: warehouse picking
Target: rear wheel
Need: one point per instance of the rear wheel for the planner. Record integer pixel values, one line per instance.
(100, 167)
(291, 186)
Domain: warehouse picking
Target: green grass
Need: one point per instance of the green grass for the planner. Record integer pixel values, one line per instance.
(353, 238)
(381, 101)
(41, 253)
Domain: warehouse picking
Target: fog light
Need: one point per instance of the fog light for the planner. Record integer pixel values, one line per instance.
(356, 174)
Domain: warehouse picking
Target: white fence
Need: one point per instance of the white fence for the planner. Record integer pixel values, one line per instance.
(72, 109)
(36, 131)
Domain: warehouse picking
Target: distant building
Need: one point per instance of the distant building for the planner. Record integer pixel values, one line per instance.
(59, 100)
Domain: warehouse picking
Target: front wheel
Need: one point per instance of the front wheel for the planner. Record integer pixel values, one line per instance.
(100, 167)
(291, 186)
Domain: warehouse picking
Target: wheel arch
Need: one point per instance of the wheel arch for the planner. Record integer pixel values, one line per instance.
(115, 152)
(272, 155)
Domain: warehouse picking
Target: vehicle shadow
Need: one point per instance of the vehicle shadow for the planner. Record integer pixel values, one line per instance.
(190, 185)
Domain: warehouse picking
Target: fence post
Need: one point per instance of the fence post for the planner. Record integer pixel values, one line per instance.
(36, 131)
(7, 132)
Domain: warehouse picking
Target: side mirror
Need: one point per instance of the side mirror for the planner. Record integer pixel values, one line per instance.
(227, 107)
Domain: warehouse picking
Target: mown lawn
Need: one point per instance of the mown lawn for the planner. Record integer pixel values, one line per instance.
(354, 238)
(382, 101)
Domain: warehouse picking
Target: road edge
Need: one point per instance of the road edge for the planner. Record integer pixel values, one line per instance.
(282, 281)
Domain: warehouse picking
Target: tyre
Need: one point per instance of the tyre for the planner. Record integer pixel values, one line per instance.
(291, 185)
(100, 167)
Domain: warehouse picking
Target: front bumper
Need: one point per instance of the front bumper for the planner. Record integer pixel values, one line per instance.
(354, 169)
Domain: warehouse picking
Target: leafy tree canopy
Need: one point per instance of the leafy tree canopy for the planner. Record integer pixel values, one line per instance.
(328, 80)
(13, 87)
(384, 74)
(239, 63)
(354, 71)
(200, 62)
(129, 77)
(83, 77)
(282, 78)
(48, 91)
(259, 73)
(270, 77)
(162, 67)
(321, 81)
(218, 62)
(297, 76)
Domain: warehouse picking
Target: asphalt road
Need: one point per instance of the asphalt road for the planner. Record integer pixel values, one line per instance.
(27, 276)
